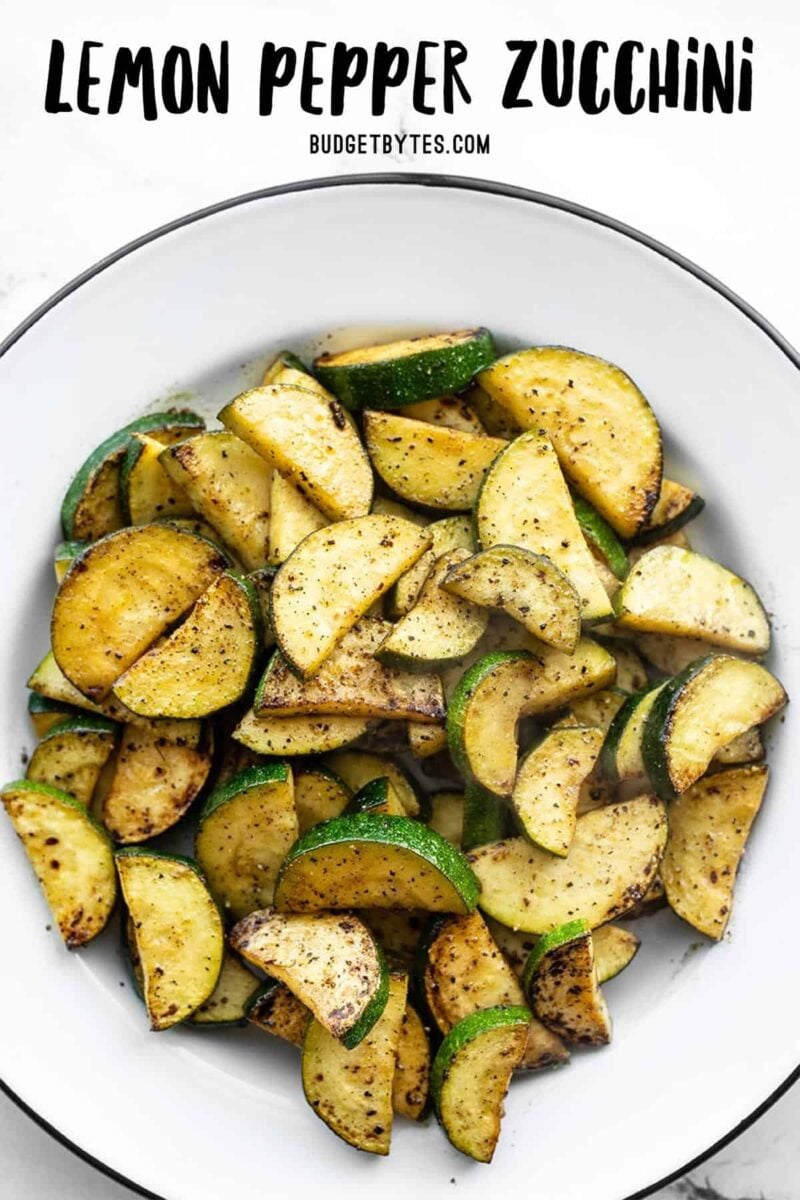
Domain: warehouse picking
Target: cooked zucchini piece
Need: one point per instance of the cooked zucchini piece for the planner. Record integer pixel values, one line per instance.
(70, 853)
(680, 592)
(178, 931)
(453, 412)
(332, 578)
(311, 440)
(426, 740)
(277, 1010)
(357, 767)
(72, 754)
(452, 533)
(45, 713)
(614, 948)
(412, 1072)
(601, 537)
(230, 486)
(50, 683)
(207, 663)
(121, 595)
(560, 980)
(91, 508)
(636, 552)
(598, 709)
(654, 899)
(246, 828)
(352, 682)
(284, 363)
(423, 464)
(147, 493)
(524, 501)
(292, 517)
(495, 419)
(589, 409)
(64, 555)
(404, 372)
(621, 757)
(440, 628)
(610, 865)
(746, 748)
(675, 507)
(397, 930)
(262, 582)
(377, 796)
(499, 689)
(548, 784)
(367, 861)
(289, 736)
(447, 815)
(352, 1090)
(671, 655)
(700, 711)
(528, 587)
(484, 817)
(386, 507)
(471, 1074)
(708, 829)
(332, 963)
(230, 1001)
(158, 774)
(319, 794)
(631, 671)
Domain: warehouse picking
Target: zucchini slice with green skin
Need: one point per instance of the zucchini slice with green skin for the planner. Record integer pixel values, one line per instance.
(426, 740)
(230, 1001)
(246, 828)
(290, 736)
(484, 817)
(621, 755)
(471, 1074)
(451, 533)
(676, 506)
(230, 486)
(548, 786)
(370, 861)
(614, 948)
(351, 681)
(331, 962)
(292, 517)
(437, 468)
(560, 981)
(439, 630)
(147, 493)
(72, 754)
(453, 412)
(495, 418)
(178, 931)
(121, 595)
(708, 829)
(601, 536)
(677, 591)
(319, 794)
(357, 767)
(284, 361)
(276, 1010)
(411, 1083)
(588, 408)
(447, 815)
(352, 1090)
(407, 371)
(377, 796)
(159, 771)
(207, 663)
(611, 863)
(70, 853)
(333, 577)
(64, 555)
(45, 713)
(700, 711)
(50, 683)
(525, 501)
(91, 508)
(529, 587)
(311, 440)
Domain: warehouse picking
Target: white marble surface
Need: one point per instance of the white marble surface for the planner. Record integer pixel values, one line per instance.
(721, 190)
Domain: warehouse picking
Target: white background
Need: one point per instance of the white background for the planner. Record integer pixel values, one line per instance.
(722, 190)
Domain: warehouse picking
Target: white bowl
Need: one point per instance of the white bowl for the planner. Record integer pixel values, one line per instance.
(703, 1035)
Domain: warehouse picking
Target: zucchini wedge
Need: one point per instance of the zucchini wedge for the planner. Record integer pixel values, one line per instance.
(453, 412)
(91, 507)
(621, 757)
(588, 408)
(64, 555)
(290, 736)
(610, 865)
(614, 948)
(708, 828)
(386, 507)
(72, 754)
(602, 540)
(411, 1082)
(121, 595)
(332, 578)
(560, 980)
(548, 786)
(158, 774)
(177, 929)
(394, 374)
(45, 713)
(70, 853)
(319, 794)
(700, 711)
(524, 501)
(206, 664)
(332, 963)
(277, 1010)
(285, 367)
(396, 930)
(677, 591)
(671, 655)
(529, 587)
(366, 861)
(377, 796)
(451, 533)
(357, 767)
(246, 828)
(311, 440)
(471, 1074)
(746, 748)
(631, 672)
(447, 815)
(426, 740)
(351, 682)
(495, 418)
(147, 493)
(598, 709)
(424, 464)
(292, 517)
(484, 817)
(230, 1001)
(230, 486)
(352, 1090)
(49, 682)
(676, 506)
(438, 630)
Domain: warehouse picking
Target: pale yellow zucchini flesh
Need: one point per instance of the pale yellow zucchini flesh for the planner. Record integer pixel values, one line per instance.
(319, 795)
(435, 467)
(611, 863)
(412, 1072)
(614, 949)
(673, 501)
(120, 595)
(357, 767)
(451, 533)
(747, 747)
(426, 740)
(597, 709)
(311, 440)
(331, 580)
(561, 981)
(50, 681)
(548, 786)
(447, 815)
(149, 494)
(671, 655)
(279, 1012)
(451, 412)
(291, 736)
(72, 755)
(228, 1003)
(292, 518)
(631, 671)
(709, 825)
(525, 501)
